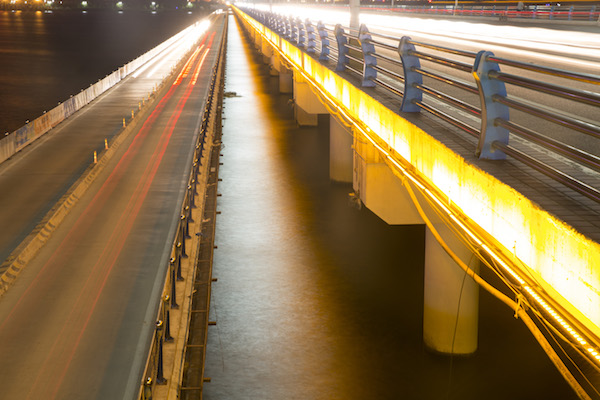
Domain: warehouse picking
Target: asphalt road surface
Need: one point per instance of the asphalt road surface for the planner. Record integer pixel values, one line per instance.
(78, 320)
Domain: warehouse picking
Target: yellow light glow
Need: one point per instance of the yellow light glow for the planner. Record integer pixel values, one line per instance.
(562, 261)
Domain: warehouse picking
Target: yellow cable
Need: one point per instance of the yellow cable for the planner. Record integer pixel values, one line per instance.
(537, 334)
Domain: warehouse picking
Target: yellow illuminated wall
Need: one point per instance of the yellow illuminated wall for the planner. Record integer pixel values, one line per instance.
(561, 259)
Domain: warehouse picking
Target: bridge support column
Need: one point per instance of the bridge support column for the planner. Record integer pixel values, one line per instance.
(286, 80)
(275, 64)
(341, 154)
(267, 51)
(451, 310)
(379, 189)
(307, 104)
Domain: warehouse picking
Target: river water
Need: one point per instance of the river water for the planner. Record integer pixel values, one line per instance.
(47, 57)
(318, 300)
(314, 299)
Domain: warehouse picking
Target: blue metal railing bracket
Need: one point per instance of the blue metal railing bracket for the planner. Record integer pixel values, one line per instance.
(490, 110)
(311, 45)
(411, 78)
(301, 32)
(369, 60)
(324, 36)
(342, 43)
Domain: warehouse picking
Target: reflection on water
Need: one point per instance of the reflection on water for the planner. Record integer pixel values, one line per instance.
(46, 57)
(317, 300)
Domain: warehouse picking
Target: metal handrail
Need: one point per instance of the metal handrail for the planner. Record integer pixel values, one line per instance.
(571, 152)
(582, 96)
(448, 80)
(552, 116)
(450, 100)
(443, 61)
(448, 118)
(550, 171)
(577, 76)
(489, 85)
(462, 53)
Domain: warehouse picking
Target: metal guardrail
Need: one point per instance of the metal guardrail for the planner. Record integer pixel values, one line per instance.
(399, 65)
(12, 143)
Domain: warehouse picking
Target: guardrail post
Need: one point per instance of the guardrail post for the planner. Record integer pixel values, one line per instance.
(324, 36)
(281, 25)
(178, 276)
(160, 378)
(301, 33)
(311, 45)
(192, 194)
(411, 78)
(293, 31)
(168, 337)
(284, 27)
(342, 43)
(174, 304)
(369, 60)
(490, 110)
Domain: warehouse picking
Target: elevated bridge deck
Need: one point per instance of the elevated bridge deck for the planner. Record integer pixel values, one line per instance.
(537, 234)
(79, 320)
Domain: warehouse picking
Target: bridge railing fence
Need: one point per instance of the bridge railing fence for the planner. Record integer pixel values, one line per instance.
(469, 91)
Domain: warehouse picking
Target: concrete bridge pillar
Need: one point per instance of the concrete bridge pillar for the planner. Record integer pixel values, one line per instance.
(451, 309)
(307, 104)
(286, 79)
(275, 64)
(341, 154)
(379, 189)
(266, 50)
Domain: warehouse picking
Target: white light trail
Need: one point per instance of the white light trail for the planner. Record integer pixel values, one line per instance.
(174, 48)
(567, 48)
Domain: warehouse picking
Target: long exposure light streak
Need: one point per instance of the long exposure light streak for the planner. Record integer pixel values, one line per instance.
(557, 46)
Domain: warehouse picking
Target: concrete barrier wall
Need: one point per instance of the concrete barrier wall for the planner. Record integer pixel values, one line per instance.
(25, 135)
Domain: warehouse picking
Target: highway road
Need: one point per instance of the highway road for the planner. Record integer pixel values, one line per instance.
(78, 321)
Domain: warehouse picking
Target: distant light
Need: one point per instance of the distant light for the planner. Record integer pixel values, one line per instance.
(120, 4)
(84, 3)
(153, 12)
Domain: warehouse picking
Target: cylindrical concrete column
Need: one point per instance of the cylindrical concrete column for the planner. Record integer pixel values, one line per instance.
(341, 154)
(451, 309)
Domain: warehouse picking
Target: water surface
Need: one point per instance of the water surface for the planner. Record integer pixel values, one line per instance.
(318, 300)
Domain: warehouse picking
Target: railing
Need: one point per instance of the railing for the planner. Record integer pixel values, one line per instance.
(476, 87)
(32, 130)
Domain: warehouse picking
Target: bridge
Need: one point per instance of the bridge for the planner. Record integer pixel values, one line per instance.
(477, 200)
(126, 221)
